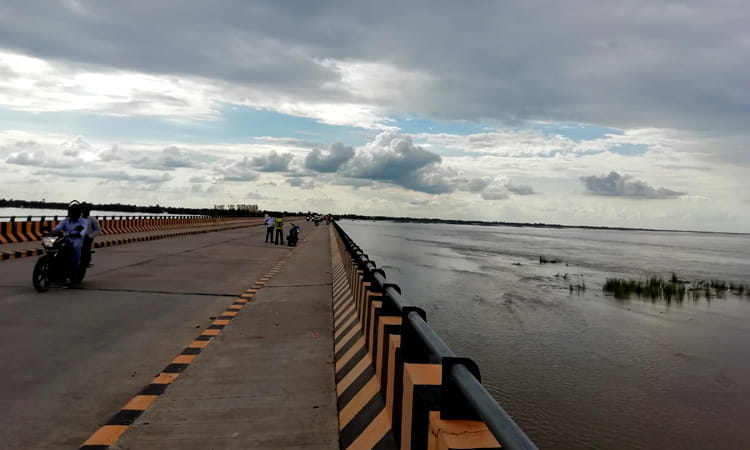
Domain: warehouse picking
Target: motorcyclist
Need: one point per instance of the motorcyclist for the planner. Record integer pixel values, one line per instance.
(75, 228)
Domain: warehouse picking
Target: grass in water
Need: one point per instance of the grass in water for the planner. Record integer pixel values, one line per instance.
(656, 288)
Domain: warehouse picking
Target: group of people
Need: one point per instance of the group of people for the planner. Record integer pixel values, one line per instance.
(81, 228)
(275, 231)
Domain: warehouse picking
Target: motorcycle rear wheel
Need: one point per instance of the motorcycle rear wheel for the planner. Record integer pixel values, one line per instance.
(40, 277)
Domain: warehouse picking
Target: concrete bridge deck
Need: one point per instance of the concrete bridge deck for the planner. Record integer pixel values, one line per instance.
(260, 375)
(266, 380)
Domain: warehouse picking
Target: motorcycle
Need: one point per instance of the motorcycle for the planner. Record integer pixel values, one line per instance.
(56, 265)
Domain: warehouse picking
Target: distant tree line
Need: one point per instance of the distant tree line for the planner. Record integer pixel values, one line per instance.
(484, 223)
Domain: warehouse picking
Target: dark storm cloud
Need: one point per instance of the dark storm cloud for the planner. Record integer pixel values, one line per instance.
(630, 64)
(329, 161)
(273, 162)
(617, 185)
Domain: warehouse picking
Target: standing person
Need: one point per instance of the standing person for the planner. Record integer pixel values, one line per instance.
(269, 222)
(94, 230)
(279, 225)
(75, 227)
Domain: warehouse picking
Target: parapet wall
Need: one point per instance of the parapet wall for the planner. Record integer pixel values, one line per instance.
(31, 229)
(398, 384)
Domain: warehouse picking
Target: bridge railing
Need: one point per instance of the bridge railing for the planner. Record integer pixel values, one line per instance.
(426, 386)
(15, 229)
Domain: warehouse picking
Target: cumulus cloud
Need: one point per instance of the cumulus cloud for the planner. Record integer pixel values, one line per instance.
(493, 188)
(169, 158)
(329, 161)
(617, 185)
(302, 183)
(241, 170)
(42, 158)
(273, 162)
(394, 158)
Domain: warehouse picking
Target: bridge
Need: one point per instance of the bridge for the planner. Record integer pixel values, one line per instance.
(196, 333)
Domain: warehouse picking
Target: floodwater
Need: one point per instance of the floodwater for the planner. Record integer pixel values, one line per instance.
(583, 370)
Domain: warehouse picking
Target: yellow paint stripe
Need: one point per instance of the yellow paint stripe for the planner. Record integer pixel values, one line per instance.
(221, 322)
(358, 402)
(344, 311)
(246, 296)
(165, 378)
(236, 307)
(346, 339)
(183, 359)
(348, 355)
(106, 435)
(211, 332)
(374, 432)
(140, 402)
(241, 300)
(198, 344)
(340, 329)
(253, 290)
(351, 376)
(229, 313)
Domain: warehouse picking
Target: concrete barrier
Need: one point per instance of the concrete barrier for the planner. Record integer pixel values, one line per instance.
(30, 229)
(398, 385)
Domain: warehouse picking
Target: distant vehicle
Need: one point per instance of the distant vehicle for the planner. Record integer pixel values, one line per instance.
(56, 265)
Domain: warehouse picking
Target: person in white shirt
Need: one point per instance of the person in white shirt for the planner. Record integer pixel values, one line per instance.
(94, 230)
(75, 227)
(269, 222)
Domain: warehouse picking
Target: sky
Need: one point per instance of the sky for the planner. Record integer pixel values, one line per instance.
(625, 114)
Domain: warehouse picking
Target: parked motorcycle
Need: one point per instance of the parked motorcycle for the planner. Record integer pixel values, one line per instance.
(56, 265)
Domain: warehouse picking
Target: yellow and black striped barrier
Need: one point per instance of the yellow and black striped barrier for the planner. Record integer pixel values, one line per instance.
(28, 230)
(396, 388)
(99, 243)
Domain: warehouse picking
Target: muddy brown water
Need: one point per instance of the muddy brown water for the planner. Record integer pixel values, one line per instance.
(584, 370)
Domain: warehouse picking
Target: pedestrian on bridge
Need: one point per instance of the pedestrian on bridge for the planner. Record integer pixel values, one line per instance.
(94, 230)
(269, 222)
(279, 225)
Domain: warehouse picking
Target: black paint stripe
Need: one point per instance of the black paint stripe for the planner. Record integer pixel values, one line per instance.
(125, 417)
(226, 317)
(361, 421)
(345, 348)
(345, 332)
(354, 388)
(388, 442)
(205, 337)
(350, 365)
(94, 447)
(348, 316)
(153, 389)
(191, 351)
(215, 327)
(175, 368)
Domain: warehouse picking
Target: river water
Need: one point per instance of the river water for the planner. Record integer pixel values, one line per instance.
(583, 370)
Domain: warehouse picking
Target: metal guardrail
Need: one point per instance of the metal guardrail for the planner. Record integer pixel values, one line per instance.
(463, 396)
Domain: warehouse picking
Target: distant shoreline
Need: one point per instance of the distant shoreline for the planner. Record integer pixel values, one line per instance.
(521, 224)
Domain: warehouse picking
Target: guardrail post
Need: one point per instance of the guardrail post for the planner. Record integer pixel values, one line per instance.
(453, 404)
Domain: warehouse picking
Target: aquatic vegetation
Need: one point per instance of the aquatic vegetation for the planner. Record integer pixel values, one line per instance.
(544, 260)
(656, 288)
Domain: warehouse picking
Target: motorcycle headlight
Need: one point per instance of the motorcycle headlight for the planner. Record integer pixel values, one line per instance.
(49, 241)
